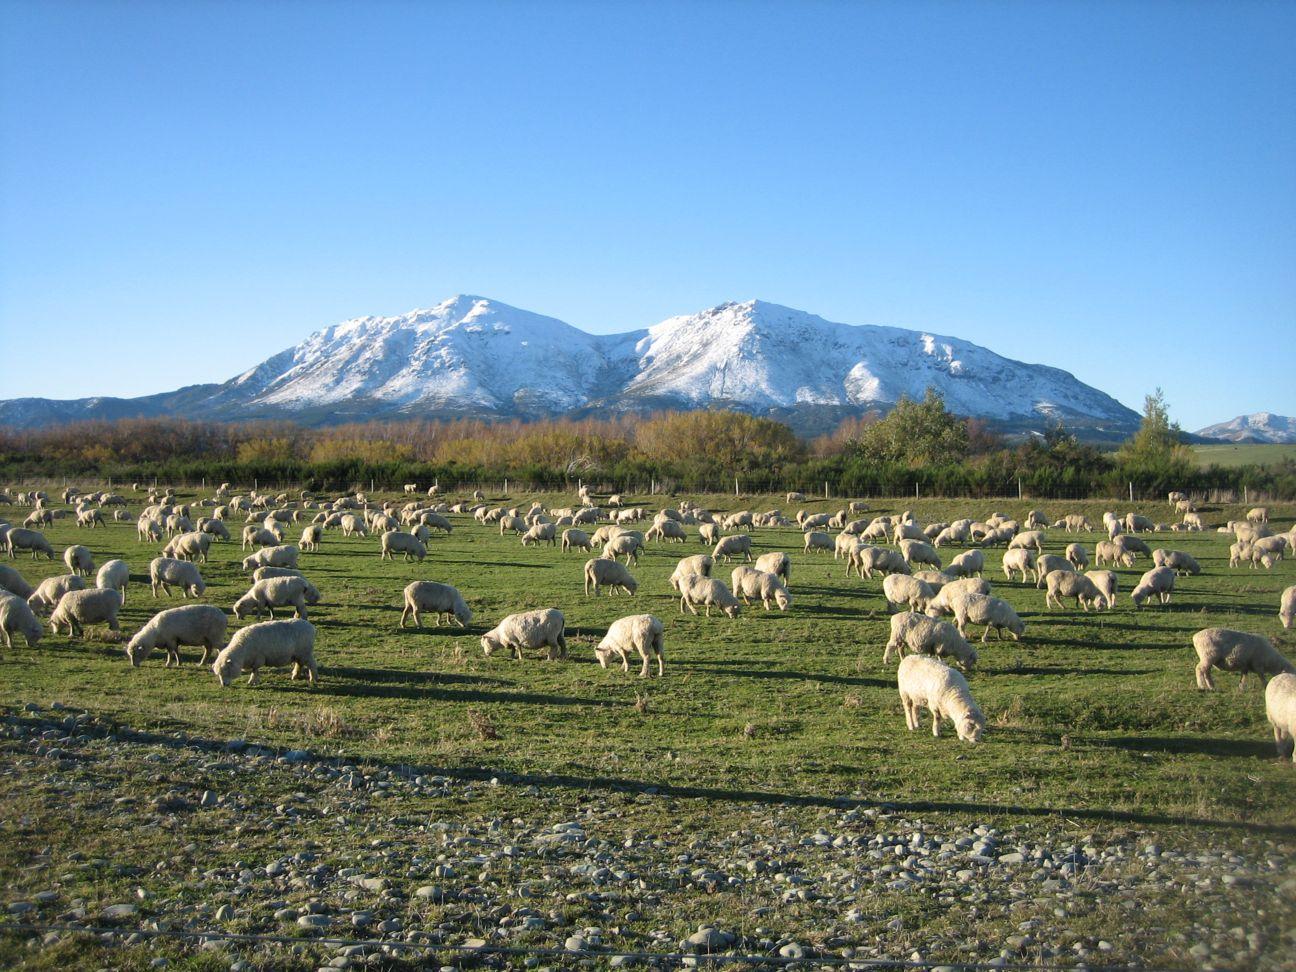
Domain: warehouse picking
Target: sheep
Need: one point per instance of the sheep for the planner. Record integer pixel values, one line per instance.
(729, 547)
(148, 530)
(39, 518)
(1180, 562)
(259, 536)
(1077, 556)
(1236, 651)
(931, 684)
(396, 541)
(114, 575)
(611, 574)
(165, 572)
(1238, 552)
(189, 546)
(1018, 559)
(17, 618)
(1030, 538)
(641, 633)
(818, 540)
(1062, 583)
(311, 537)
(901, 589)
(540, 533)
(865, 560)
(1131, 547)
(441, 599)
(1287, 606)
(77, 609)
(514, 523)
(277, 592)
(283, 556)
(268, 644)
(262, 573)
(1258, 514)
(89, 518)
(214, 528)
(748, 582)
(1048, 564)
(1267, 551)
(1074, 523)
(990, 611)
(20, 539)
(1136, 523)
(697, 565)
(919, 552)
(435, 521)
(189, 624)
(708, 591)
(1106, 582)
(667, 530)
(928, 636)
(574, 539)
(1280, 708)
(777, 563)
(1036, 519)
(530, 630)
(1159, 581)
(970, 563)
(708, 533)
(51, 590)
(14, 583)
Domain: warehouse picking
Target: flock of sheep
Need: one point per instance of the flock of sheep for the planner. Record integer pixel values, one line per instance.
(918, 584)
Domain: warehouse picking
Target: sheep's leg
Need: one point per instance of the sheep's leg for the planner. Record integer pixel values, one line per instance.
(1204, 679)
(254, 677)
(936, 721)
(1243, 681)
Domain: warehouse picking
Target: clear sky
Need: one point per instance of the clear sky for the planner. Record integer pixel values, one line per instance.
(1108, 187)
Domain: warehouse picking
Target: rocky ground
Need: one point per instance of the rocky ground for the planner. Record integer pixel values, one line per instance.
(180, 845)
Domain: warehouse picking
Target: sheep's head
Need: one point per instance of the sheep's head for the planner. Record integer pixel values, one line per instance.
(782, 598)
(732, 610)
(138, 648)
(490, 642)
(226, 669)
(969, 730)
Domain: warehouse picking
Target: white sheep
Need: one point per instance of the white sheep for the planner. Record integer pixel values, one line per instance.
(259, 536)
(440, 599)
(817, 540)
(1106, 582)
(114, 575)
(603, 572)
(165, 573)
(1033, 539)
(189, 546)
(1158, 581)
(282, 556)
(730, 547)
(397, 541)
(919, 552)
(540, 533)
(14, 583)
(708, 533)
(708, 591)
(189, 624)
(988, 610)
(1077, 556)
(1018, 559)
(902, 589)
(1280, 708)
(1178, 561)
(78, 609)
(970, 563)
(268, 644)
(276, 592)
(311, 537)
(928, 636)
(33, 540)
(1287, 606)
(667, 529)
(50, 590)
(148, 530)
(1258, 514)
(529, 630)
(1136, 523)
(748, 582)
(777, 563)
(866, 560)
(1062, 583)
(574, 539)
(1048, 564)
(17, 618)
(627, 544)
(1236, 651)
(931, 684)
(640, 633)
(697, 565)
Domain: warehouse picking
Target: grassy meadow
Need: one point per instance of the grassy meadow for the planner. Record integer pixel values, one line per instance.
(1242, 454)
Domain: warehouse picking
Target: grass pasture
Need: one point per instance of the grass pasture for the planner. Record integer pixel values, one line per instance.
(1242, 454)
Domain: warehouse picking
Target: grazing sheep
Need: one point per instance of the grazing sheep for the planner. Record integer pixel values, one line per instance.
(667, 530)
(1106, 552)
(164, 572)
(114, 576)
(970, 563)
(729, 547)
(928, 636)
(1030, 538)
(268, 644)
(89, 518)
(1280, 708)
(540, 533)
(259, 536)
(214, 528)
(748, 582)
(1106, 582)
(148, 530)
(576, 540)
(276, 592)
(515, 523)
(1176, 560)
(1048, 564)
(1236, 651)
(628, 544)
(189, 624)
(1076, 556)
(1131, 547)
(777, 563)
(284, 556)
(1074, 523)
(816, 540)
(902, 589)
(51, 590)
(1193, 522)
(1258, 514)
(17, 618)
(13, 582)
(866, 560)
(931, 684)
(990, 611)
(1062, 583)
(1018, 559)
(1159, 581)
(920, 552)
(435, 521)
(311, 537)
(1287, 606)
(708, 533)
(441, 599)
(529, 630)
(352, 526)
(1036, 519)
(78, 609)
(708, 591)
(640, 633)
(697, 565)
(189, 546)
(610, 574)
(19, 539)
(397, 541)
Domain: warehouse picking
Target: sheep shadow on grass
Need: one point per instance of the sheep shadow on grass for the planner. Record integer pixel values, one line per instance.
(708, 668)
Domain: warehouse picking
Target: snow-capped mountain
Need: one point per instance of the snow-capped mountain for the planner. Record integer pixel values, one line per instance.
(470, 355)
(1260, 427)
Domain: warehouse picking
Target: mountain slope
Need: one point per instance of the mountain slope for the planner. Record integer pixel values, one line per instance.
(470, 355)
(1258, 427)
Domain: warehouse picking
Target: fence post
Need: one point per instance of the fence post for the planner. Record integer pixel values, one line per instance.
(505, 485)
(1131, 486)
(735, 485)
(1245, 498)
(825, 489)
(1019, 489)
(915, 490)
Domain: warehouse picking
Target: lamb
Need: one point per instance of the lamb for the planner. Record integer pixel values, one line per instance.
(396, 541)
(776, 563)
(1018, 559)
(640, 633)
(990, 611)
(1048, 564)
(540, 533)
(927, 683)
(1062, 583)
(748, 582)
(817, 540)
(729, 547)
(277, 592)
(574, 539)
(78, 609)
(49, 591)
(166, 573)
(1236, 651)
(1159, 581)
(13, 582)
(20, 539)
(919, 552)
(667, 530)
(708, 591)
(530, 630)
(697, 565)
(970, 563)
(114, 576)
(283, 556)
(17, 618)
(901, 589)
(268, 644)
(1280, 708)
(602, 571)
(1178, 561)
(928, 636)
(1105, 581)
(311, 537)
(189, 624)
(189, 546)
(1076, 556)
(441, 599)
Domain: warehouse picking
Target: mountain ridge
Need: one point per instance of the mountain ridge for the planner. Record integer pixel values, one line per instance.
(1256, 427)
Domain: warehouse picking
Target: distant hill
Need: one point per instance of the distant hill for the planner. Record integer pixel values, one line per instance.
(1259, 427)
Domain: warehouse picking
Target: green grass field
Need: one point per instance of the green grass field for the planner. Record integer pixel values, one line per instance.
(1242, 454)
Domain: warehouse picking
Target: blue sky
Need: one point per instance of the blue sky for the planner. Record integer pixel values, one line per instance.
(1105, 187)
